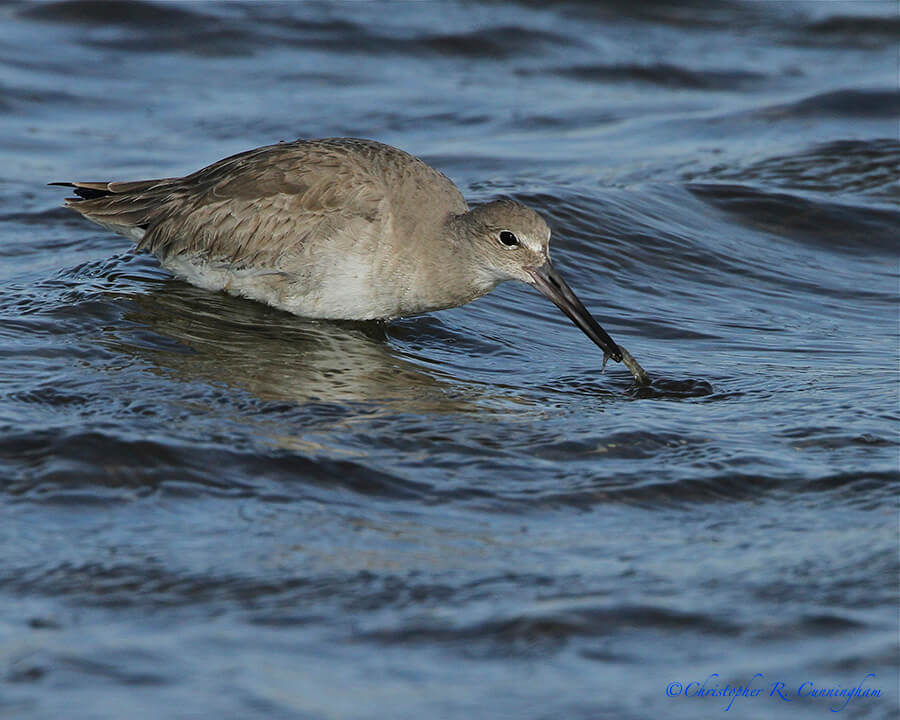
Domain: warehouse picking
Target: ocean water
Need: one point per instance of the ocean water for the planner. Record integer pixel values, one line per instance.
(210, 508)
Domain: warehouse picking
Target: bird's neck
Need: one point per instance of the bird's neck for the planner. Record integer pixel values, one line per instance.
(452, 273)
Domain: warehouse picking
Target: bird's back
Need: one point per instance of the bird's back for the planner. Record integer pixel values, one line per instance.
(288, 224)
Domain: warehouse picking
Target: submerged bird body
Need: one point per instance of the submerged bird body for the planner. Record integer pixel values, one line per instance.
(337, 228)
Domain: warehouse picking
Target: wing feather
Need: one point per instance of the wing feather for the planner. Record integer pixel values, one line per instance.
(258, 207)
(263, 209)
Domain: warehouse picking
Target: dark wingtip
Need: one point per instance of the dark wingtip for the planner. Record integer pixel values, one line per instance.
(83, 193)
(65, 184)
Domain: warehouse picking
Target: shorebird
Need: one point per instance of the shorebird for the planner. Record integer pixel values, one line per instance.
(336, 228)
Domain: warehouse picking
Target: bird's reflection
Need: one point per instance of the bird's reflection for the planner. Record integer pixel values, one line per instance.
(212, 337)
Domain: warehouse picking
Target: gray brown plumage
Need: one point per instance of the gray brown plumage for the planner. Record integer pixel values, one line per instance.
(338, 228)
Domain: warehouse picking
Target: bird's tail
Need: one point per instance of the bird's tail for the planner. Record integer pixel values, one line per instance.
(128, 208)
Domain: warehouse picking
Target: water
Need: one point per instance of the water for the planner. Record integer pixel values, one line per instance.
(214, 509)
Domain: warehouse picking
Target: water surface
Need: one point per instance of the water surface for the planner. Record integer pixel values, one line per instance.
(214, 509)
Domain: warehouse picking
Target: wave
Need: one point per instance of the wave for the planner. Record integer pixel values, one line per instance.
(831, 225)
(660, 74)
(852, 31)
(170, 27)
(91, 467)
(844, 103)
(129, 13)
(845, 167)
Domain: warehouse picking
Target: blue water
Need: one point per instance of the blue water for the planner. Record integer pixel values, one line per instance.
(209, 508)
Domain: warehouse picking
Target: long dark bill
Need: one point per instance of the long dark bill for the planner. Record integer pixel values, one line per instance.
(552, 286)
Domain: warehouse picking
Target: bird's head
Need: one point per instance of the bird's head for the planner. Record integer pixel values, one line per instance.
(510, 241)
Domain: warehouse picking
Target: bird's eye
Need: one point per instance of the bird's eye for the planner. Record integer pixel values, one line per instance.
(508, 239)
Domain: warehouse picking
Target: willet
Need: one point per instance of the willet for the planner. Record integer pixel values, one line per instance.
(338, 228)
